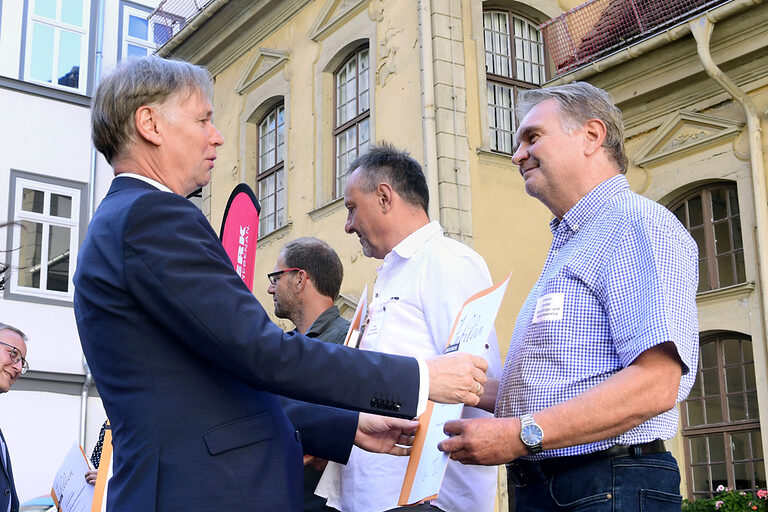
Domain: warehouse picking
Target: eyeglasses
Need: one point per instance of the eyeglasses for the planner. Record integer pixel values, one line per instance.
(16, 357)
(274, 276)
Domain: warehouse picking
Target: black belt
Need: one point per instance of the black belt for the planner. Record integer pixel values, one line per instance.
(526, 472)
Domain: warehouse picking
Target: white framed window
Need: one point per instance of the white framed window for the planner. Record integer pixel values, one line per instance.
(271, 174)
(352, 132)
(141, 37)
(514, 60)
(46, 236)
(56, 50)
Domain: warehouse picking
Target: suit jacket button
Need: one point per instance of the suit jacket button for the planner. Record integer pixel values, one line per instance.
(298, 435)
(398, 406)
(7, 492)
(374, 402)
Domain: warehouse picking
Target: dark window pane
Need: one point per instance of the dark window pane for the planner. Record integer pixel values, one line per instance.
(711, 382)
(733, 199)
(757, 444)
(722, 238)
(736, 229)
(709, 355)
(698, 446)
(752, 406)
(701, 481)
(695, 214)
(695, 413)
(725, 270)
(695, 389)
(759, 468)
(714, 413)
(740, 446)
(742, 474)
(746, 350)
(719, 205)
(733, 380)
(716, 448)
(741, 271)
(680, 214)
(703, 276)
(32, 200)
(698, 236)
(732, 350)
(61, 206)
(736, 410)
(719, 475)
(749, 375)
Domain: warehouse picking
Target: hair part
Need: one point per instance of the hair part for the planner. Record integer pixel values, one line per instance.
(579, 102)
(384, 163)
(6, 327)
(134, 83)
(318, 260)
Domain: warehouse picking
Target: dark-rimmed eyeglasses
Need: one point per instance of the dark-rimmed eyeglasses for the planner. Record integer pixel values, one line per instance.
(274, 276)
(16, 357)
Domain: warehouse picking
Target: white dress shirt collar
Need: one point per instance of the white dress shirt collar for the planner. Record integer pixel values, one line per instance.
(416, 240)
(152, 182)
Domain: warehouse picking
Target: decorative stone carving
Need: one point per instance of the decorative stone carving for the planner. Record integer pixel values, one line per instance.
(263, 62)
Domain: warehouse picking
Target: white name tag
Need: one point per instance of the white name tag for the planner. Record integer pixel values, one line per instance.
(549, 307)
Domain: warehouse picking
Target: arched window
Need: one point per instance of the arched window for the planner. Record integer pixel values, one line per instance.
(270, 177)
(353, 112)
(711, 215)
(721, 427)
(514, 59)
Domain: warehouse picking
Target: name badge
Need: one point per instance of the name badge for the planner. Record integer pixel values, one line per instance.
(549, 307)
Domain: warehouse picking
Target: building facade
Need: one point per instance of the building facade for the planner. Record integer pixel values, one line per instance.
(51, 54)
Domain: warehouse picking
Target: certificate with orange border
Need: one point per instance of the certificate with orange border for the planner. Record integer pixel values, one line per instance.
(470, 332)
(358, 321)
(70, 491)
(105, 472)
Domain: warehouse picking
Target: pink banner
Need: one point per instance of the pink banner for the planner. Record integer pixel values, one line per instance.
(240, 230)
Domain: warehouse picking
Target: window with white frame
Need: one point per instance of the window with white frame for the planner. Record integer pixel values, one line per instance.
(271, 177)
(45, 239)
(514, 59)
(57, 43)
(141, 37)
(352, 131)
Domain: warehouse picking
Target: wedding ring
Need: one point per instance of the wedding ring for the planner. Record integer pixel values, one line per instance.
(479, 388)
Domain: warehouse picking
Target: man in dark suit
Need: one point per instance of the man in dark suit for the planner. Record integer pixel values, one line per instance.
(13, 351)
(185, 358)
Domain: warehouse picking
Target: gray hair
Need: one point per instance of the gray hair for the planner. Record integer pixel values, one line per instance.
(580, 102)
(4, 327)
(318, 260)
(132, 84)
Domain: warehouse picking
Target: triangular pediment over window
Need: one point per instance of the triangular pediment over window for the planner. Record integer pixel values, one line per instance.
(682, 133)
(261, 65)
(333, 12)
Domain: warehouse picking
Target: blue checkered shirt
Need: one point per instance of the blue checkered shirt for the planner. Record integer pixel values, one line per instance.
(620, 278)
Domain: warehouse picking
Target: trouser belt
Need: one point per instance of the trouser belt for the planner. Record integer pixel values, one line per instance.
(525, 472)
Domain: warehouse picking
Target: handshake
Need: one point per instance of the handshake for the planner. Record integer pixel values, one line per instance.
(453, 379)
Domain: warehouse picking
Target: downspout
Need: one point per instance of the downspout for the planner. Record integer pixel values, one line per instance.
(91, 207)
(428, 122)
(701, 28)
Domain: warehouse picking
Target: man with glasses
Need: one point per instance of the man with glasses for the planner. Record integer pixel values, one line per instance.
(304, 286)
(13, 349)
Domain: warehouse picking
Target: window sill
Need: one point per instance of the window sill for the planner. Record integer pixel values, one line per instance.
(326, 209)
(489, 156)
(735, 291)
(44, 91)
(274, 235)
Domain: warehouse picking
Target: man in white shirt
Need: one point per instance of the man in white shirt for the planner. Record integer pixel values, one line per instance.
(425, 279)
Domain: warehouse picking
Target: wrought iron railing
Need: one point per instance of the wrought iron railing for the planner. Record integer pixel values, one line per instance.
(176, 14)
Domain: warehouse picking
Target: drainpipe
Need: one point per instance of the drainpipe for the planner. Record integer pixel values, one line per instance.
(701, 28)
(428, 122)
(91, 207)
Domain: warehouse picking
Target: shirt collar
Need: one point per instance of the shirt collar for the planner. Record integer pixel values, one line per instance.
(152, 182)
(413, 242)
(322, 322)
(590, 204)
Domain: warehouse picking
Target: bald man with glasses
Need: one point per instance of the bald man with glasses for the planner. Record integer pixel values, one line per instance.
(13, 349)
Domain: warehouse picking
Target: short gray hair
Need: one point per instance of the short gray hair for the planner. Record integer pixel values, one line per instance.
(580, 102)
(133, 83)
(4, 327)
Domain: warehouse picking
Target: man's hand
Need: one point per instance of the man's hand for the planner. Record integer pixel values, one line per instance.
(90, 476)
(486, 441)
(381, 434)
(457, 378)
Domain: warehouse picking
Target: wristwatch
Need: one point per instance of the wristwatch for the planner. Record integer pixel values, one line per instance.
(531, 434)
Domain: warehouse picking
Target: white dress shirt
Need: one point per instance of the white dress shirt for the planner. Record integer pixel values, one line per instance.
(420, 289)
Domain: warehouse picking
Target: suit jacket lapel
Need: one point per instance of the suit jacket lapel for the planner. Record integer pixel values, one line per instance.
(5, 458)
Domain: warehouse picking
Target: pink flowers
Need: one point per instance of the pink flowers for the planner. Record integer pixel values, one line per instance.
(762, 494)
(719, 503)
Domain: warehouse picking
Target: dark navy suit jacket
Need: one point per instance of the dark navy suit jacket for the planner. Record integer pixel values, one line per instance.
(188, 364)
(7, 487)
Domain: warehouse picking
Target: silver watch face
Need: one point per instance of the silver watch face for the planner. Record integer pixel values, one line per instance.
(531, 435)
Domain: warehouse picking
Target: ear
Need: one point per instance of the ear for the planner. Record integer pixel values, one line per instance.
(384, 196)
(145, 120)
(302, 279)
(594, 135)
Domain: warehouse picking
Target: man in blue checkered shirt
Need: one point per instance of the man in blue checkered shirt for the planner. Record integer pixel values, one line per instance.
(607, 342)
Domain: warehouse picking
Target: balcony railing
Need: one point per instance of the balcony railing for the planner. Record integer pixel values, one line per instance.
(600, 27)
(177, 14)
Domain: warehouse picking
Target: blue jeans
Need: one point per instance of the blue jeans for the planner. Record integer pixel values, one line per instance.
(643, 483)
